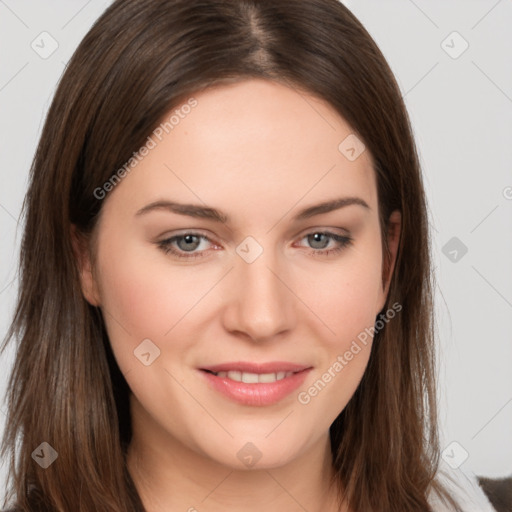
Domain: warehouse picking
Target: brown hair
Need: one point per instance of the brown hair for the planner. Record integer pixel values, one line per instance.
(139, 60)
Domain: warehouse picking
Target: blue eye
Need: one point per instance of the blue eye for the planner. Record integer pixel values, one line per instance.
(319, 241)
(186, 245)
(183, 246)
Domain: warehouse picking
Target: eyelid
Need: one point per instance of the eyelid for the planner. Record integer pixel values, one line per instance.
(323, 229)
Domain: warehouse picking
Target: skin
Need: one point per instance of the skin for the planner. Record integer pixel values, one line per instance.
(260, 152)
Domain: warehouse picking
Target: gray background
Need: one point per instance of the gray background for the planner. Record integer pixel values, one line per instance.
(461, 111)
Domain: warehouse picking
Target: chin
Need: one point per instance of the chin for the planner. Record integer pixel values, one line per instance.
(246, 452)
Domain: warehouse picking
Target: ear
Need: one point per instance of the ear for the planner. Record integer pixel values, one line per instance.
(388, 264)
(81, 250)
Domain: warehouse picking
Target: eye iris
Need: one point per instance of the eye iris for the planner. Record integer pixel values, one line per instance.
(316, 238)
(188, 239)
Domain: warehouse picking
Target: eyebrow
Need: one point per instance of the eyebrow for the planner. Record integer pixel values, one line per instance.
(205, 212)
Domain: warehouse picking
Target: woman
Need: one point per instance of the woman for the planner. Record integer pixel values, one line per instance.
(225, 296)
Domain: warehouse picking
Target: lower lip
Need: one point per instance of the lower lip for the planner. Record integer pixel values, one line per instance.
(257, 394)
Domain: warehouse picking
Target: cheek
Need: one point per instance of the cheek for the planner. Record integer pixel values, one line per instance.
(144, 297)
(349, 313)
(144, 292)
(345, 295)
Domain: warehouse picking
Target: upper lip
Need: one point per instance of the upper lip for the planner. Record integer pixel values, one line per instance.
(259, 368)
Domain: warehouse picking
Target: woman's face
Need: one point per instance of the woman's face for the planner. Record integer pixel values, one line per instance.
(236, 281)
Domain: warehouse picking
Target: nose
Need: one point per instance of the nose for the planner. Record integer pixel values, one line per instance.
(260, 304)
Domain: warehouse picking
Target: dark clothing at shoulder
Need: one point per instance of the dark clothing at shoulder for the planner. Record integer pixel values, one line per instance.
(499, 492)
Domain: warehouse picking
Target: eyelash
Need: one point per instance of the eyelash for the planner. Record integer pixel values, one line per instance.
(342, 240)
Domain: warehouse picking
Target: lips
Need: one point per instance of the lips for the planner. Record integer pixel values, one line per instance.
(260, 368)
(255, 384)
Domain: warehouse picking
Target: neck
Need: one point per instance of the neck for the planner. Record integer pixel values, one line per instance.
(170, 476)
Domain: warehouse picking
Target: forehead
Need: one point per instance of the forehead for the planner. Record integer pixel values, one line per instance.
(252, 143)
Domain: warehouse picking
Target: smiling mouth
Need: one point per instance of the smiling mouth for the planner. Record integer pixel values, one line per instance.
(253, 384)
(252, 378)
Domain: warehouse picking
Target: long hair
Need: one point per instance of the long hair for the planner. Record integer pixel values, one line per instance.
(139, 60)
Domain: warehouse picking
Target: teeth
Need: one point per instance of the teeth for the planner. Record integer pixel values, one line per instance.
(248, 378)
(267, 377)
(234, 376)
(254, 378)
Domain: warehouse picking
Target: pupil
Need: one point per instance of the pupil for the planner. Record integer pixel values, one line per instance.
(189, 239)
(317, 238)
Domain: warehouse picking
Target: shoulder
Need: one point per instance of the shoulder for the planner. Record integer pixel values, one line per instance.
(499, 492)
(464, 487)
